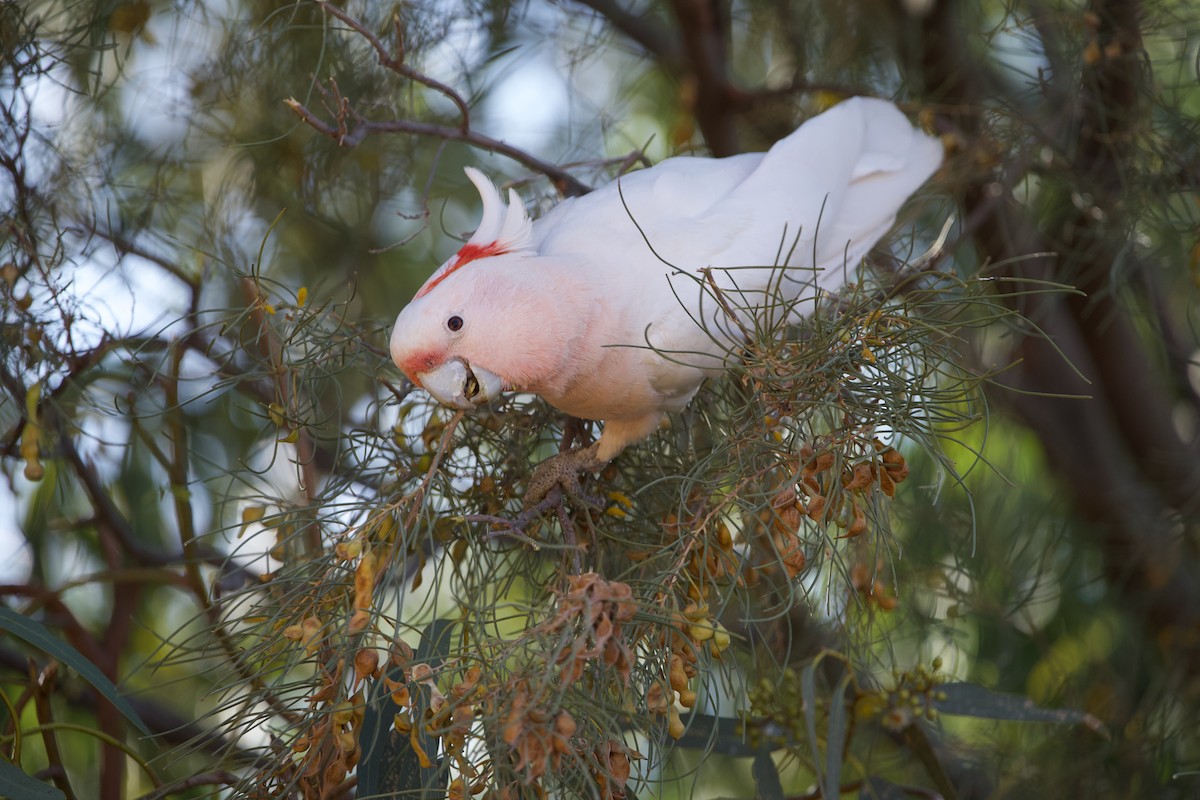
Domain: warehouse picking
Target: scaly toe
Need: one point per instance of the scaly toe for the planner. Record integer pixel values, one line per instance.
(563, 470)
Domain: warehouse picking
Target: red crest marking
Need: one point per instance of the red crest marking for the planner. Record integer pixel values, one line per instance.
(466, 254)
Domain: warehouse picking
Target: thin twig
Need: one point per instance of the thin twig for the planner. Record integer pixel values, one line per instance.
(396, 63)
(566, 184)
(214, 778)
(569, 537)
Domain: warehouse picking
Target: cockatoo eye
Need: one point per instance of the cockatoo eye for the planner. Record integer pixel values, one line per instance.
(455, 323)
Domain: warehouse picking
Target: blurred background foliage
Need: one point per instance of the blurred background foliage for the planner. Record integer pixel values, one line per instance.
(219, 491)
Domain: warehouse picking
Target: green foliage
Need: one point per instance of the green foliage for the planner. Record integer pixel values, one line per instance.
(940, 524)
(35, 633)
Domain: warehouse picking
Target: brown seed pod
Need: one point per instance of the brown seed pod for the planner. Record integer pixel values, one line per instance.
(859, 525)
(886, 484)
(862, 477)
(816, 507)
(366, 663)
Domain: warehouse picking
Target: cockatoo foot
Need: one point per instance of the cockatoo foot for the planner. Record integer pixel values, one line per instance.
(563, 470)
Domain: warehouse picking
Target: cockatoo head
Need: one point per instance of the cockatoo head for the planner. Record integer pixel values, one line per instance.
(469, 333)
(441, 346)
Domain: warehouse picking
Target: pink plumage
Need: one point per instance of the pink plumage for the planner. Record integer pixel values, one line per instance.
(600, 307)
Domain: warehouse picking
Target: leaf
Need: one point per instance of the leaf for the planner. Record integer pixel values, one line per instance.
(712, 734)
(15, 783)
(390, 766)
(36, 634)
(972, 700)
(835, 740)
(251, 515)
(766, 777)
(876, 788)
(808, 693)
(918, 743)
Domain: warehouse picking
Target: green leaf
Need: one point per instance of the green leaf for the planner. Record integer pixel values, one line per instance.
(972, 700)
(15, 783)
(835, 740)
(390, 766)
(766, 777)
(712, 734)
(36, 634)
(876, 788)
(808, 693)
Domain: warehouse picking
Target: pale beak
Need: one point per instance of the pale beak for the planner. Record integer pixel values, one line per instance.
(457, 384)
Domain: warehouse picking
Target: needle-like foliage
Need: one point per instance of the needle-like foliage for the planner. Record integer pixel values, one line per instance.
(937, 524)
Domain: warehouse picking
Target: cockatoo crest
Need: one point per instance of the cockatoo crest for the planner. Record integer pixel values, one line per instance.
(503, 229)
(601, 306)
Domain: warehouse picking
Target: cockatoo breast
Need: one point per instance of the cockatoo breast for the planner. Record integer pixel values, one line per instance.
(618, 304)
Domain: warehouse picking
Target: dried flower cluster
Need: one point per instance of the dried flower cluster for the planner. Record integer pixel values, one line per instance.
(913, 697)
(830, 494)
(593, 611)
(708, 556)
(329, 747)
(873, 591)
(538, 736)
(693, 632)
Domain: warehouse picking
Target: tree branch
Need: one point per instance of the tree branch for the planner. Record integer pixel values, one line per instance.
(396, 64)
(566, 184)
(704, 25)
(347, 136)
(652, 38)
(1085, 440)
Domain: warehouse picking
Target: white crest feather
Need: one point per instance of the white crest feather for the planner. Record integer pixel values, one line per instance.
(507, 226)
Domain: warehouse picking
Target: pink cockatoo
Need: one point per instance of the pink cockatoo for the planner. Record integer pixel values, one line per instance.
(604, 305)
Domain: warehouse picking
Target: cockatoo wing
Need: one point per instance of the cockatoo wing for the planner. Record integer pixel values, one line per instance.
(604, 307)
(825, 195)
(816, 202)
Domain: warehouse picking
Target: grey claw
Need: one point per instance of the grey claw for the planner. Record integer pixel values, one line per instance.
(563, 470)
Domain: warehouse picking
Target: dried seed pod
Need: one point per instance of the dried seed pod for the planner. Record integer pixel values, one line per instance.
(816, 507)
(349, 550)
(898, 473)
(894, 463)
(787, 520)
(862, 477)
(724, 538)
(784, 498)
(656, 699)
(859, 525)
(884, 599)
(401, 654)
(886, 484)
(675, 726)
(366, 662)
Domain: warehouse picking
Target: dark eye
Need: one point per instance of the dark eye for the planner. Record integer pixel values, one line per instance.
(454, 323)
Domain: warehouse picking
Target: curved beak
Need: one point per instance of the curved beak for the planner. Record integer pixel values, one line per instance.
(457, 384)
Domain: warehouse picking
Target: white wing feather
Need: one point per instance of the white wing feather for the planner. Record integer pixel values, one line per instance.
(825, 195)
(821, 197)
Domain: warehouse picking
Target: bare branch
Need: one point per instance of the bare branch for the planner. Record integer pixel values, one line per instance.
(396, 62)
(214, 778)
(651, 37)
(566, 184)
(704, 24)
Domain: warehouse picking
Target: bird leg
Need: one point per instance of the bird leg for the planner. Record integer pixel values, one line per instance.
(563, 470)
